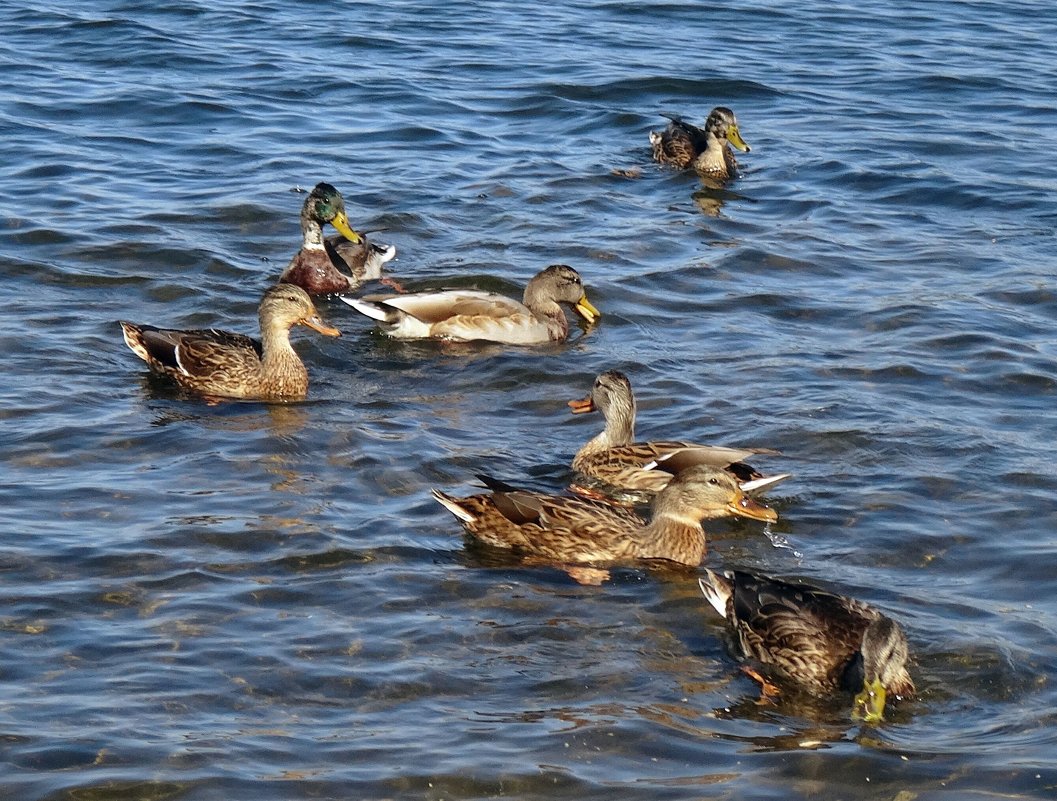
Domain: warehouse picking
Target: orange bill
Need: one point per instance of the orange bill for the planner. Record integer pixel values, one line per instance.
(744, 506)
(317, 324)
(582, 406)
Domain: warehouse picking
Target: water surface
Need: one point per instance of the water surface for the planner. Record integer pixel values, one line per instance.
(262, 601)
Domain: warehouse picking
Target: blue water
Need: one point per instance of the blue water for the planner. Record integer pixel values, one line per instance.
(251, 601)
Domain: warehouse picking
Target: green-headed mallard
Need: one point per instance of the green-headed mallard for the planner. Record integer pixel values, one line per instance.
(633, 471)
(823, 643)
(684, 145)
(317, 266)
(467, 314)
(567, 530)
(221, 364)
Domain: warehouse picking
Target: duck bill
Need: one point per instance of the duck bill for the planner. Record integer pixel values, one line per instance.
(870, 703)
(586, 310)
(734, 137)
(341, 222)
(316, 324)
(582, 406)
(744, 506)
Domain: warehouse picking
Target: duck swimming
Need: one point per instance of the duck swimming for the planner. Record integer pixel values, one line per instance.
(467, 315)
(706, 150)
(222, 364)
(625, 470)
(568, 530)
(317, 266)
(822, 642)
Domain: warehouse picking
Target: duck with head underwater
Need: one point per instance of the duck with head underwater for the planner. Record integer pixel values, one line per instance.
(821, 642)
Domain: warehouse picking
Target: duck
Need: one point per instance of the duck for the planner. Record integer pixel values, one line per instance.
(684, 145)
(816, 640)
(466, 315)
(220, 364)
(574, 531)
(627, 471)
(317, 266)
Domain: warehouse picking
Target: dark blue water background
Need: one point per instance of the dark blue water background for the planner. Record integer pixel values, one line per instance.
(251, 601)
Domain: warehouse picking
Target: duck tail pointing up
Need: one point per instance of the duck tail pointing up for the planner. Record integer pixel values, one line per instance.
(717, 590)
(452, 505)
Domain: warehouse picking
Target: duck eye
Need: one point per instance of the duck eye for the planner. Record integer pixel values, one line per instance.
(714, 482)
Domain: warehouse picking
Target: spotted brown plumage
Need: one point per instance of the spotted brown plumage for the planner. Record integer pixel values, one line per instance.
(223, 364)
(705, 149)
(617, 466)
(819, 641)
(568, 530)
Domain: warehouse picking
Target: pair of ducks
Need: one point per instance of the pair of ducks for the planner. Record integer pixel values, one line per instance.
(219, 364)
(820, 641)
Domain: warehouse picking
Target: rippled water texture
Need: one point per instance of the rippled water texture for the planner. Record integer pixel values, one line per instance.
(250, 601)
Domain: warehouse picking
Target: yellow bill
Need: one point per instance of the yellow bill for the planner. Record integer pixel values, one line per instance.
(870, 703)
(734, 137)
(586, 310)
(341, 222)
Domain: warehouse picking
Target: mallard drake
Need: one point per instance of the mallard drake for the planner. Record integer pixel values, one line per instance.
(468, 314)
(317, 266)
(823, 643)
(221, 364)
(634, 471)
(684, 145)
(567, 530)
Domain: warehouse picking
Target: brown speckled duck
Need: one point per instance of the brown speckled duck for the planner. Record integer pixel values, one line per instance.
(466, 315)
(821, 642)
(317, 266)
(620, 468)
(567, 530)
(684, 145)
(221, 364)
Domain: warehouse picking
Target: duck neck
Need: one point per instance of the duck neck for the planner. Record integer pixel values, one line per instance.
(311, 233)
(619, 430)
(548, 310)
(673, 536)
(279, 360)
(712, 160)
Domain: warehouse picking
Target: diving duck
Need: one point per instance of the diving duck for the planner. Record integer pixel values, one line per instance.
(466, 315)
(567, 530)
(684, 145)
(625, 470)
(221, 364)
(317, 266)
(821, 642)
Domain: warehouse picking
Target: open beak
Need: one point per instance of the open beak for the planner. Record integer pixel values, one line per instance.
(582, 406)
(586, 310)
(341, 222)
(734, 137)
(316, 324)
(870, 703)
(744, 506)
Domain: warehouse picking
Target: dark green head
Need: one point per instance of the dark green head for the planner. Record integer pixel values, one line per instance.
(326, 205)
